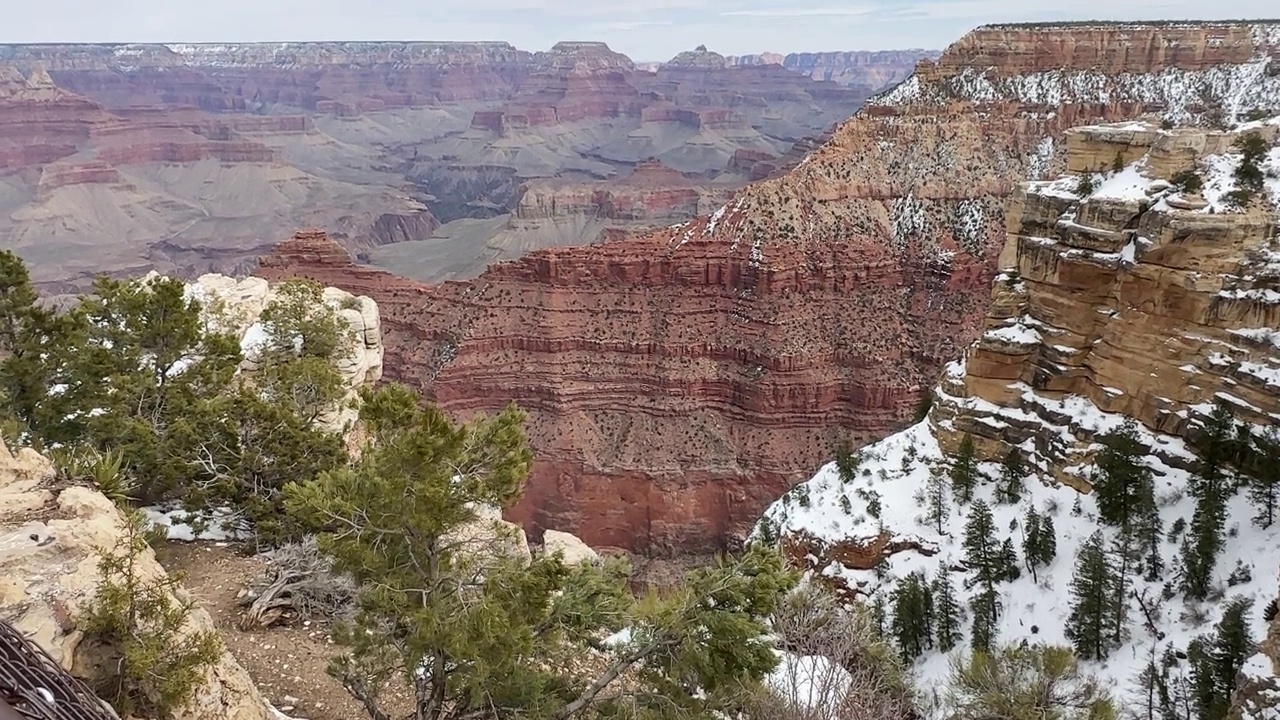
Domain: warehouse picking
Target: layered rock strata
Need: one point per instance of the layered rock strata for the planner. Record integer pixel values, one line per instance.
(679, 380)
(1135, 299)
(181, 158)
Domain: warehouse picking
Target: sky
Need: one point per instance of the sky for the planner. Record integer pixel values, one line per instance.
(646, 30)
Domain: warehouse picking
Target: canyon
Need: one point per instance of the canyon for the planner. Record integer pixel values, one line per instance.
(195, 158)
(679, 381)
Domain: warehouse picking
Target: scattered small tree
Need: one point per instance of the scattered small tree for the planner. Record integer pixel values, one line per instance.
(1216, 660)
(1217, 445)
(1188, 181)
(159, 662)
(964, 470)
(1012, 476)
(1092, 622)
(946, 611)
(1038, 543)
(1028, 681)
(1263, 467)
(913, 615)
(937, 506)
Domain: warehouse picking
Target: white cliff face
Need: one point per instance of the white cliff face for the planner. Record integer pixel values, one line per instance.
(235, 306)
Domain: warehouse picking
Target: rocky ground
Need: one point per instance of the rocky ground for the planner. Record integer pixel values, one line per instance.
(287, 664)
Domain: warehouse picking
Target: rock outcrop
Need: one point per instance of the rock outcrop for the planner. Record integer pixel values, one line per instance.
(236, 305)
(814, 308)
(1136, 299)
(50, 537)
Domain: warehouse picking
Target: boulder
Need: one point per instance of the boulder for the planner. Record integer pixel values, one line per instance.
(573, 551)
(49, 548)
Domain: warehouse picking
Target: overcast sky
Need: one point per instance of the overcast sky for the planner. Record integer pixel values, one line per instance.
(644, 29)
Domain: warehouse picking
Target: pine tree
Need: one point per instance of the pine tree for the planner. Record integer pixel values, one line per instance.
(1217, 660)
(1122, 482)
(1009, 560)
(946, 611)
(35, 344)
(1091, 623)
(984, 557)
(401, 520)
(985, 606)
(1047, 547)
(1217, 448)
(1012, 476)
(981, 549)
(913, 610)
(1263, 465)
(937, 508)
(1031, 541)
(964, 471)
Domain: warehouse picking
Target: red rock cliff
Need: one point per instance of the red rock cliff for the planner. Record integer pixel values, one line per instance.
(679, 381)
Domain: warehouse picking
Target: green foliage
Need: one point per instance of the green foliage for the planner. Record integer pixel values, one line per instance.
(964, 470)
(140, 391)
(946, 612)
(1188, 181)
(490, 632)
(1009, 561)
(160, 662)
(102, 470)
(1012, 476)
(983, 554)
(33, 350)
(937, 506)
(1086, 184)
(1216, 660)
(912, 624)
(1249, 175)
(1039, 546)
(1218, 447)
(1262, 469)
(1032, 681)
(1122, 482)
(1091, 625)
(981, 549)
(846, 462)
(1118, 163)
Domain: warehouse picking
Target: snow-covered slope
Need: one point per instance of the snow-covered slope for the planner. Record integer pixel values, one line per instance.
(897, 470)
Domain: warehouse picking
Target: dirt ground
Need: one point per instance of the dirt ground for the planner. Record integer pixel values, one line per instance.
(286, 663)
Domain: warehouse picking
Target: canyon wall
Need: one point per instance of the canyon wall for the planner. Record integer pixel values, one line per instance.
(1134, 299)
(1144, 285)
(860, 68)
(187, 158)
(679, 380)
